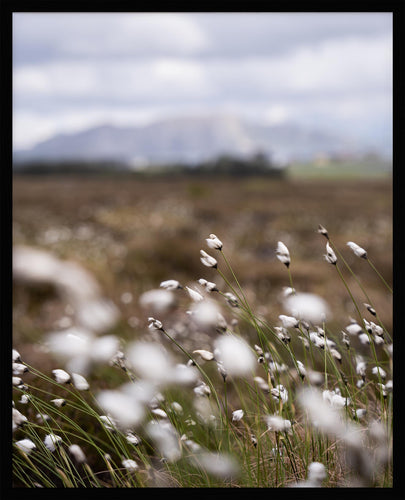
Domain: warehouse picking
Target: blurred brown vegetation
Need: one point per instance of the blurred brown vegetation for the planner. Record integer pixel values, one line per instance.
(134, 232)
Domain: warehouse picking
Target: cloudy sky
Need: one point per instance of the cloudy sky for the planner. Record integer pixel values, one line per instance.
(325, 70)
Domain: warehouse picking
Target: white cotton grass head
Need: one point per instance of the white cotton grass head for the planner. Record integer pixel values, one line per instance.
(77, 453)
(157, 300)
(108, 422)
(133, 439)
(182, 375)
(220, 465)
(150, 361)
(231, 299)
(288, 321)
(330, 255)
(97, 315)
(19, 369)
(283, 254)
(316, 474)
(205, 313)
(70, 343)
(354, 329)
(322, 230)
(166, 439)
(378, 371)
(130, 465)
(80, 382)
(124, 408)
(237, 415)
(194, 295)
(328, 418)
(25, 445)
(18, 419)
(154, 324)
(58, 402)
(104, 348)
(61, 376)
(158, 412)
(277, 424)
(214, 242)
(307, 307)
(236, 356)
(208, 260)
(205, 355)
(357, 250)
(171, 285)
(16, 356)
(280, 393)
(51, 441)
(209, 286)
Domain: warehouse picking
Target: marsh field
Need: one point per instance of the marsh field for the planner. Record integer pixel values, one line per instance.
(131, 233)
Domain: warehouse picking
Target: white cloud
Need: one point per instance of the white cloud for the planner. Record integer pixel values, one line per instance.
(84, 35)
(74, 71)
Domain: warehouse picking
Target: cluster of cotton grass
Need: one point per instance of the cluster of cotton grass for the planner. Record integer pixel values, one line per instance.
(244, 402)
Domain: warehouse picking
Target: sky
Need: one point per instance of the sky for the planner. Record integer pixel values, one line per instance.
(328, 71)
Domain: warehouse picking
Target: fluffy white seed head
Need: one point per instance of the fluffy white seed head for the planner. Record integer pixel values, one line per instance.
(208, 285)
(194, 295)
(18, 419)
(288, 321)
(205, 313)
(16, 356)
(208, 260)
(323, 231)
(77, 453)
(220, 465)
(133, 439)
(237, 415)
(61, 376)
(357, 250)
(159, 301)
(214, 242)
(330, 255)
(125, 409)
(150, 361)
(360, 366)
(354, 329)
(51, 441)
(103, 348)
(316, 473)
(96, 314)
(364, 338)
(80, 382)
(236, 356)
(280, 393)
(278, 424)
(130, 465)
(283, 254)
(205, 355)
(165, 438)
(377, 370)
(231, 299)
(58, 402)
(25, 445)
(154, 324)
(307, 307)
(158, 412)
(170, 285)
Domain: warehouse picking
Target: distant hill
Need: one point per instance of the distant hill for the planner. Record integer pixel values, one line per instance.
(189, 141)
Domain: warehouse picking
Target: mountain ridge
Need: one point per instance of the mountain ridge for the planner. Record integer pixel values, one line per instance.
(190, 140)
